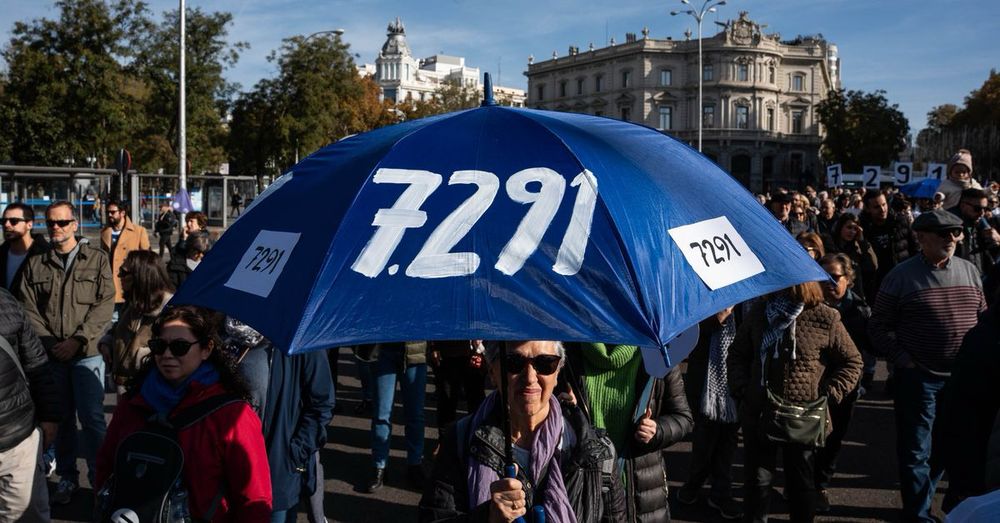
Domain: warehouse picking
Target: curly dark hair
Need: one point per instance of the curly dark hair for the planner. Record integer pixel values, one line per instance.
(204, 324)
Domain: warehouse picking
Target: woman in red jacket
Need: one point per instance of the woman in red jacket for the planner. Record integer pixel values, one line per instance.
(225, 448)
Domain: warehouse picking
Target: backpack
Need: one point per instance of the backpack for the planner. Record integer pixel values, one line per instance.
(146, 484)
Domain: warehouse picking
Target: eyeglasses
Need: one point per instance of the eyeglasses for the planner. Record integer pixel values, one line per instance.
(949, 233)
(61, 223)
(837, 277)
(544, 365)
(13, 221)
(113, 211)
(178, 347)
(978, 208)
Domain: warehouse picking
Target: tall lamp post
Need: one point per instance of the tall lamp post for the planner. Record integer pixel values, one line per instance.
(182, 112)
(699, 14)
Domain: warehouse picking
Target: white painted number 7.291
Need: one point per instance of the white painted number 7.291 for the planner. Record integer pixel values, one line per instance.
(435, 259)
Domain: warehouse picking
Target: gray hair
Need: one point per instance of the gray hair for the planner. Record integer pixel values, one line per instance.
(494, 348)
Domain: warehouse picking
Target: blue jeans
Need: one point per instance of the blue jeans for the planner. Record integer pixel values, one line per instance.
(916, 397)
(80, 383)
(412, 385)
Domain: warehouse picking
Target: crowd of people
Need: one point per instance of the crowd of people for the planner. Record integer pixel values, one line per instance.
(913, 282)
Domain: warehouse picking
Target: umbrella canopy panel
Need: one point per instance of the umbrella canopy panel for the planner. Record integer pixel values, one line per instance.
(497, 223)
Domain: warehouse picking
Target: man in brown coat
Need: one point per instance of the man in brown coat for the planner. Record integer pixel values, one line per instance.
(119, 238)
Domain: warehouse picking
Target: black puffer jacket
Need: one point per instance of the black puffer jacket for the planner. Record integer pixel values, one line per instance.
(645, 470)
(446, 497)
(23, 405)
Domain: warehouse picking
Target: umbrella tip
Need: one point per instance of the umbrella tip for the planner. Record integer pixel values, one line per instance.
(487, 91)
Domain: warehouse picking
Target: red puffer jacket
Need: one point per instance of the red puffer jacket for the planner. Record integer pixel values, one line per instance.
(227, 443)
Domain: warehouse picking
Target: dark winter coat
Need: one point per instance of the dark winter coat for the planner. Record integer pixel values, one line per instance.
(299, 405)
(993, 458)
(865, 266)
(970, 407)
(900, 242)
(446, 497)
(166, 224)
(645, 470)
(854, 314)
(178, 270)
(972, 247)
(826, 363)
(697, 364)
(23, 405)
(39, 245)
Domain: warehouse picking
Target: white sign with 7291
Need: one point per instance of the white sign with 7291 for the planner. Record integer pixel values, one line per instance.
(716, 252)
(263, 262)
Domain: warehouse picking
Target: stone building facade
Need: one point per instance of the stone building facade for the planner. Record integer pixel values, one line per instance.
(760, 94)
(403, 77)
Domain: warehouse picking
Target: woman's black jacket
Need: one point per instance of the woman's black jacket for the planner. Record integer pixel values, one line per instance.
(595, 497)
(645, 469)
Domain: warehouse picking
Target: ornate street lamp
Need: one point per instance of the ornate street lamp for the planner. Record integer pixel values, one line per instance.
(699, 14)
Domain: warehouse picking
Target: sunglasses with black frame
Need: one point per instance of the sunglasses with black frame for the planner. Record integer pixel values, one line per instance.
(61, 223)
(178, 347)
(949, 233)
(13, 221)
(544, 364)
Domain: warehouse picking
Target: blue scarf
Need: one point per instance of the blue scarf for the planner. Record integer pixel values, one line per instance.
(163, 397)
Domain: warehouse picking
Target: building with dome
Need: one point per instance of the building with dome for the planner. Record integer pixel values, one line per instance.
(760, 94)
(403, 77)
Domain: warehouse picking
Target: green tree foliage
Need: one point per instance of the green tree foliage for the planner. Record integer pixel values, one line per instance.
(104, 76)
(975, 126)
(208, 95)
(982, 106)
(861, 129)
(67, 93)
(317, 98)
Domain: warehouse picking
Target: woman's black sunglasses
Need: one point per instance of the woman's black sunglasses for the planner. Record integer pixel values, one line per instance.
(545, 364)
(159, 346)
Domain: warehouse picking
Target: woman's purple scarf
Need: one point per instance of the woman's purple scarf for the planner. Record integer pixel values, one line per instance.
(543, 451)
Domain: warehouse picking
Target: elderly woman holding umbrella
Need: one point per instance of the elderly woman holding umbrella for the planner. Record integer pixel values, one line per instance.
(550, 444)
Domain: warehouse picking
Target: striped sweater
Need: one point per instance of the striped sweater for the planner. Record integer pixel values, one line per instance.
(923, 312)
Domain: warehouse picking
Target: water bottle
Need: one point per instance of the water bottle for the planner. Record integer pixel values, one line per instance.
(179, 512)
(539, 513)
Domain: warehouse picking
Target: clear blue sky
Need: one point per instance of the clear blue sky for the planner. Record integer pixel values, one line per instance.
(922, 53)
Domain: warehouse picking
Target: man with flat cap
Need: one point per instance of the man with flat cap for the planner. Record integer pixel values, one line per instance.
(924, 308)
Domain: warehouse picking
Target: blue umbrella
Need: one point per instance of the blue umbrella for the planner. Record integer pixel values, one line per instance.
(496, 223)
(921, 189)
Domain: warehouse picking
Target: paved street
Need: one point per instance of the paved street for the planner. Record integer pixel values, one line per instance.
(863, 490)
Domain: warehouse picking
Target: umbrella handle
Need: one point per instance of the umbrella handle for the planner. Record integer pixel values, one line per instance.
(511, 472)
